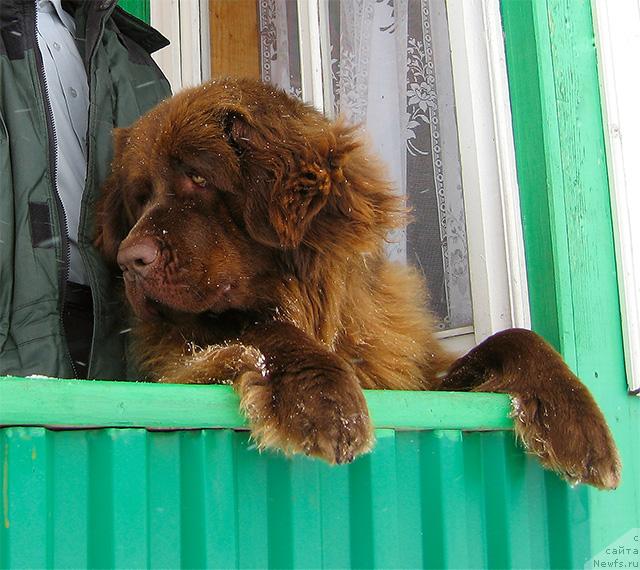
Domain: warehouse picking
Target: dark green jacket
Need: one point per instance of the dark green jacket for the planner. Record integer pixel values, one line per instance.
(123, 84)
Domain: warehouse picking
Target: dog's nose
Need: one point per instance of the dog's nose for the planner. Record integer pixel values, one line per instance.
(138, 257)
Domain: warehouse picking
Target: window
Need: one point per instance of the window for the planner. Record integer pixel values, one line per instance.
(428, 79)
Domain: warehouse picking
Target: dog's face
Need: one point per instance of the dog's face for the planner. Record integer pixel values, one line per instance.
(215, 192)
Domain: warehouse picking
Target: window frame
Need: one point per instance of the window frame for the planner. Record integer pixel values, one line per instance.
(185, 23)
(490, 183)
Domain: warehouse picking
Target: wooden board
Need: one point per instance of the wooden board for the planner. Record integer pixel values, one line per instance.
(235, 38)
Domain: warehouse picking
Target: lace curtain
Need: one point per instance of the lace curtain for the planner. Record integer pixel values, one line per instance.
(391, 72)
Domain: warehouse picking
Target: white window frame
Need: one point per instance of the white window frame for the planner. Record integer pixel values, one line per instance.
(499, 286)
(185, 23)
(490, 187)
(617, 28)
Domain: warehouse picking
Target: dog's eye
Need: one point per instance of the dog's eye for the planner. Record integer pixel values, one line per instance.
(198, 180)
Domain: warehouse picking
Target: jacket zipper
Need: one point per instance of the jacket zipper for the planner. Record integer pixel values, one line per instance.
(52, 139)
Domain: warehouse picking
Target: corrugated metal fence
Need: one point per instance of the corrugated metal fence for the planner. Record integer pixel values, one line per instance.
(132, 498)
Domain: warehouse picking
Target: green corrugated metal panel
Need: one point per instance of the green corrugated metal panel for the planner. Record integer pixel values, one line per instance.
(139, 8)
(207, 499)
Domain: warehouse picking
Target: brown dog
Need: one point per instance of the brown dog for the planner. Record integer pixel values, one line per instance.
(250, 231)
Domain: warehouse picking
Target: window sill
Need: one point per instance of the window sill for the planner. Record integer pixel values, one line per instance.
(93, 403)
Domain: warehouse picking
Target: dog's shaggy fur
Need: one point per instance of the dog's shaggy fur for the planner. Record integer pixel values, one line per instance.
(250, 230)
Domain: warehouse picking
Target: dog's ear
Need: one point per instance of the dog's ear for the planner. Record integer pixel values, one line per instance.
(308, 178)
(298, 199)
(293, 187)
(237, 130)
(112, 217)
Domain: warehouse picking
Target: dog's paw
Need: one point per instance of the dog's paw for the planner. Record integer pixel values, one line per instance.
(319, 412)
(569, 434)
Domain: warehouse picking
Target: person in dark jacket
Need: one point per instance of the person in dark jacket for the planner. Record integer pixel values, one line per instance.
(70, 72)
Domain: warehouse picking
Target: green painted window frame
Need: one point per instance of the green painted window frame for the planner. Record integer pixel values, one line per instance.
(568, 230)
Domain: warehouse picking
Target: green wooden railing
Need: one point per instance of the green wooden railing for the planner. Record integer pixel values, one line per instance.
(82, 403)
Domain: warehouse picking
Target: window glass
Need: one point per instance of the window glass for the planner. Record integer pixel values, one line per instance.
(280, 45)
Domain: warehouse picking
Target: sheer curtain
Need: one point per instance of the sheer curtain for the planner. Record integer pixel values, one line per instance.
(391, 72)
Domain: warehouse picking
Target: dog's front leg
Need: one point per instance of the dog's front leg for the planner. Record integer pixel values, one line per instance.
(212, 364)
(303, 398)
(555, 415)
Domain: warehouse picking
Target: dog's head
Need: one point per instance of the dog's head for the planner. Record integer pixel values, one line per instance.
(219, 192)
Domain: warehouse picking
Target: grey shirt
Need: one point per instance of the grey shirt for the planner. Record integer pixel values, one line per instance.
(68, 92)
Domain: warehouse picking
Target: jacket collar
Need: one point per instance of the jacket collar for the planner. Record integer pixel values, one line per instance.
(65, 17)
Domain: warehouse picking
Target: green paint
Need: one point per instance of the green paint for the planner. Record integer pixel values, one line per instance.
(252, 504)
(386, 483)
(423, 499)
(192, 515)
(305, 544)
(279, 528)
(129, 504)
(335, 515)
(562, 172)
(67, 461)
(139, 8)
(431, 501)
(529, 139)
(220, 489)
(50, 401)
(164, 511)
(100, 538)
